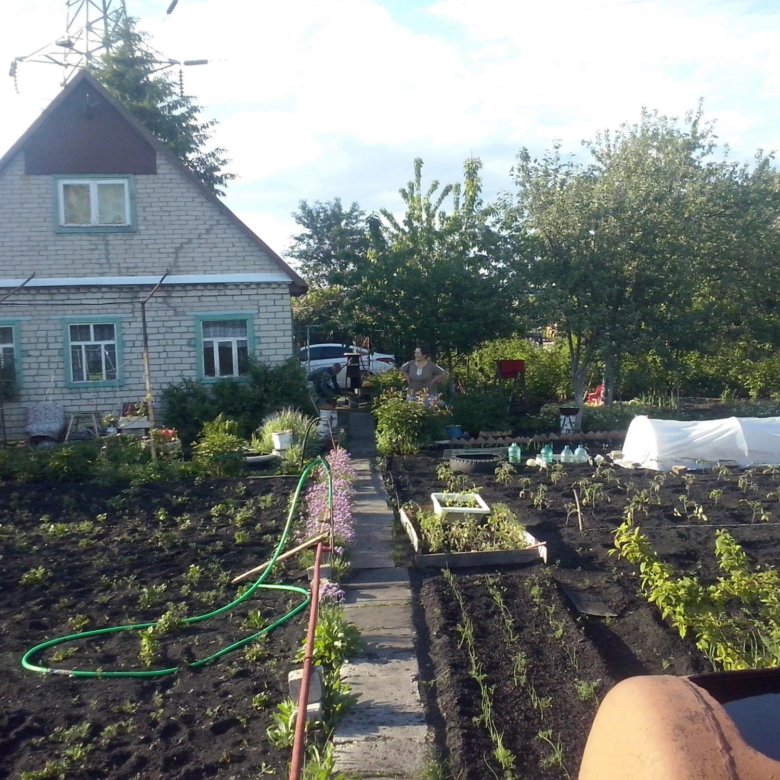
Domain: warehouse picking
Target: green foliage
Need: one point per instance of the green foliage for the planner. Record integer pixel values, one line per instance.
(131, 72)
(335, 640)
(547, 376)
(500, 530)
(404, 427)
(187, 405)
(486, 410)
(281, 732)
(220, 450)
(287, 419)
(735, 621)
(333, 243)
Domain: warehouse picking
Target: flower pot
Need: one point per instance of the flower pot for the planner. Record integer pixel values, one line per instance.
(282, 440)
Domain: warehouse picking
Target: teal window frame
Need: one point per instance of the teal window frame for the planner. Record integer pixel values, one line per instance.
(200, 343)
(116, 322)
(93, 181)
(15, 346)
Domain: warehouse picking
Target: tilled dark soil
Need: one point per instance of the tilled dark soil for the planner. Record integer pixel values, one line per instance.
(570, 660)
(76, 558)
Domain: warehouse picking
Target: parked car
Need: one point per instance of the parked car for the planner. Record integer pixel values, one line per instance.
(324, 355)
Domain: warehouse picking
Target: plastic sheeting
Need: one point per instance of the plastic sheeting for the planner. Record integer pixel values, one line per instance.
(663, 444)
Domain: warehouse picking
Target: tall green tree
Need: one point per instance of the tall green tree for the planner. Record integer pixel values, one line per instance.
(332, 245)
(437, 274)
(621, 240)
(135, 75)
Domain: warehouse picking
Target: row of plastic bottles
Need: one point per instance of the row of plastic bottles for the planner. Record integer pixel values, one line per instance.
(580, 454)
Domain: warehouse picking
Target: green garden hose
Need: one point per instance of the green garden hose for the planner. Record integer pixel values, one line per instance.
(259, 583)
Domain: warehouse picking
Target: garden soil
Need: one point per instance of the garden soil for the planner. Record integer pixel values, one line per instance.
(78, 557)
(548, 666)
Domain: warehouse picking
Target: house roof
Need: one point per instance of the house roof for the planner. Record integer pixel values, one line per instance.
(297, 285)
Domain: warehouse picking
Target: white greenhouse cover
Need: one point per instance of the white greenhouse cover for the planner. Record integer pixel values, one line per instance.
(663, 444)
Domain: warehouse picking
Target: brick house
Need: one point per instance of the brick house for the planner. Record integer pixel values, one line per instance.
(97, 211)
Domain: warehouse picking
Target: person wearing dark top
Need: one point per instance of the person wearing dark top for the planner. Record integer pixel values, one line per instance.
(324, 385)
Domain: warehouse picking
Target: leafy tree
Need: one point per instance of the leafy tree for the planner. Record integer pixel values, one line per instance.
(333, 244)
(621, 241)
(437, 275)
(131, 71)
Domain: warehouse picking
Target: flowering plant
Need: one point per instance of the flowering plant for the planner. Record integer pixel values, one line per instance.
(163, 435)
(317, 513)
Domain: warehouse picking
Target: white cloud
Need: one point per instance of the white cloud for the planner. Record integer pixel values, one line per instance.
(322, 100)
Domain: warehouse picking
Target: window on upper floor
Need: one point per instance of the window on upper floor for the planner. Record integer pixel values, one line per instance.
(93, 351)
(94, 204)
(225, 345)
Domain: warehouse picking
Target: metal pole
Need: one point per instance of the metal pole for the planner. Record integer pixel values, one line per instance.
(147, 367)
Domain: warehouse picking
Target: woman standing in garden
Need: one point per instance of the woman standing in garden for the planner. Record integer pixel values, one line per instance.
(422, 376)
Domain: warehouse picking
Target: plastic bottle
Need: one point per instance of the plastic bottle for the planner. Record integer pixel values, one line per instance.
(580, 454)
(567, 456)
(514, 453)
(547, 453)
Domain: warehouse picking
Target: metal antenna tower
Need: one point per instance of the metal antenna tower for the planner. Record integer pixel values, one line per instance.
(92, 27)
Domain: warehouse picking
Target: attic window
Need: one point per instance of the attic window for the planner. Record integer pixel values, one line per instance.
(94, 203)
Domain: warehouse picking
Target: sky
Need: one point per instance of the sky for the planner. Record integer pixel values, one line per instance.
(322, 100)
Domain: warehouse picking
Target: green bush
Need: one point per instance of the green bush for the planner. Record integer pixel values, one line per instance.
(547, 372)
(219, 450)
(187, 405)
(486, 410)
(403, 426)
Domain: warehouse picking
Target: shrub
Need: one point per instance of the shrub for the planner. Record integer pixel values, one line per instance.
(404, 427)
(220, 450)
(486, 410)
(187, 405)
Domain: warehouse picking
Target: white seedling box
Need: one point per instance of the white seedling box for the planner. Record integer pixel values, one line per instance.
(440, 499)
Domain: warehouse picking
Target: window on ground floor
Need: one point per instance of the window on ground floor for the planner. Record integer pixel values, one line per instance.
(8, 359)
(225, 344)
(93, 350)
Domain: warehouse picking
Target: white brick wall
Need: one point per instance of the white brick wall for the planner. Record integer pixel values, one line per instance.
(179, 230)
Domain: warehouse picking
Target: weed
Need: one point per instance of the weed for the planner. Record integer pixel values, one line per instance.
(282, 729)
(555, 759)
(586, 689)
(36, 576)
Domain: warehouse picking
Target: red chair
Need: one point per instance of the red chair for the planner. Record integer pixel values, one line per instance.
(596, 398)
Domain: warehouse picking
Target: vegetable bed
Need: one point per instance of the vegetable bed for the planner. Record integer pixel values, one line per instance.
(515, 673)
(81, 557)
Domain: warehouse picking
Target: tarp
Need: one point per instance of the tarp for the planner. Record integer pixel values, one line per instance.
(663, 444)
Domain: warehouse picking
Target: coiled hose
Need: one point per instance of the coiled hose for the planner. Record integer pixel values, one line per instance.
(27, 658)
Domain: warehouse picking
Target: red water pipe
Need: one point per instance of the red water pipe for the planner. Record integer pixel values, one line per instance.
(299, 743)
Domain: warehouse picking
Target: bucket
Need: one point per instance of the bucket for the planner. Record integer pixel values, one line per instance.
(329, 423)
(282, 440)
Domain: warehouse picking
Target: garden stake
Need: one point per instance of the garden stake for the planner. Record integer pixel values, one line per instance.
(308, 543)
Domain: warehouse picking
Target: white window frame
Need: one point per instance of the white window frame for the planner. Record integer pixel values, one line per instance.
(109, 373)
(94, 184)
(9, 351)
(214, 343)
